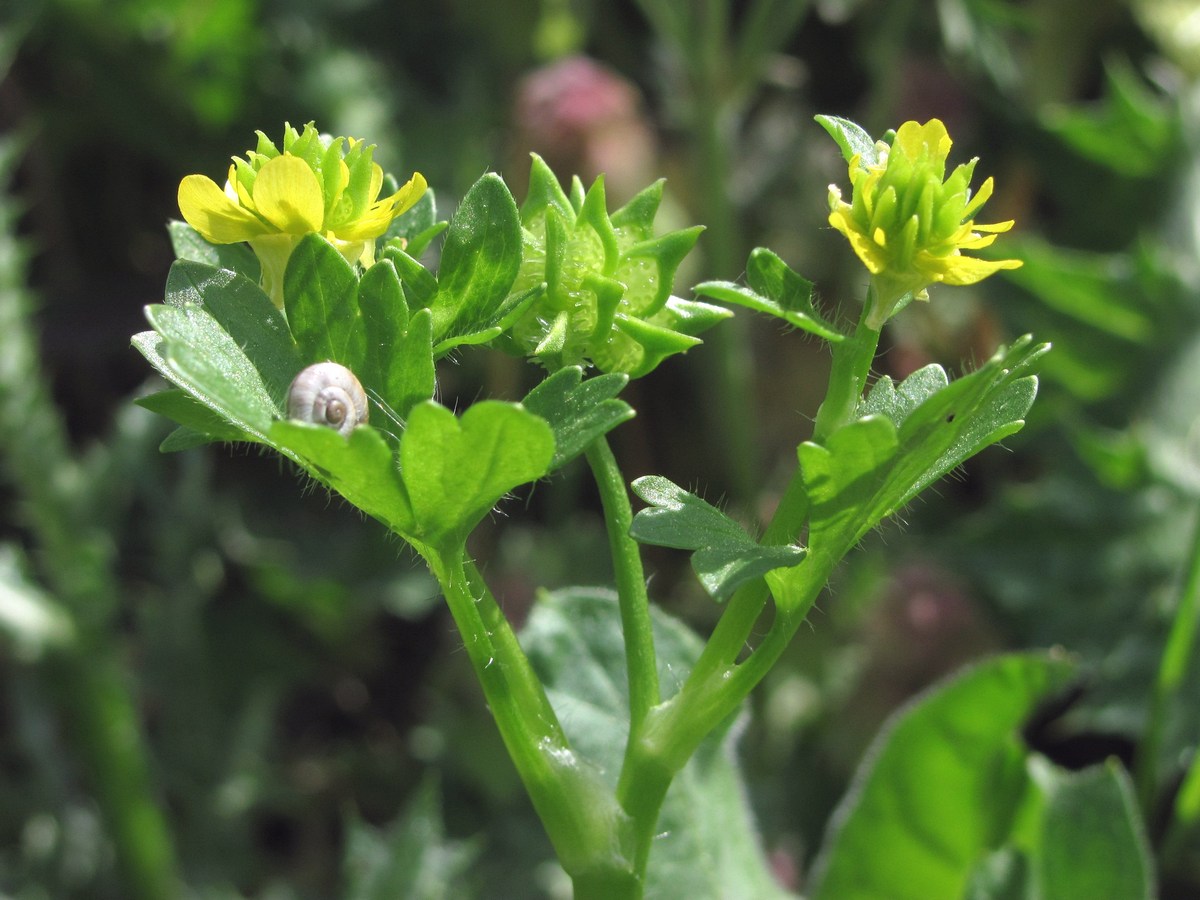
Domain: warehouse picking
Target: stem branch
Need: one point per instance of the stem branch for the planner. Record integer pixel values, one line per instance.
(640, 659)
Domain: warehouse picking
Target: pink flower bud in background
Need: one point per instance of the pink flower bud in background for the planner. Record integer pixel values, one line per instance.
(584, 119)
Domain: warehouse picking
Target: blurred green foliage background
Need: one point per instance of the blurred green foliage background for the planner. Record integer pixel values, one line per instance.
(286, 691)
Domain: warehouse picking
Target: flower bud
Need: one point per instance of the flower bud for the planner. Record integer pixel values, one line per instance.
(608, 281)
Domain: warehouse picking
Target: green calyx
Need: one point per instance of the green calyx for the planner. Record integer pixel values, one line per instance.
(608, 279)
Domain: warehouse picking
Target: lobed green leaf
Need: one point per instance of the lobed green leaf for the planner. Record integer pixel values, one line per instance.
(192, 351)
(241, 309)
(578, 411)
(359, 466)
(420, 285)
(724, 556)
(910, 437)
(776, 290)
(1091, 841)
(199, 424)
(456, 470)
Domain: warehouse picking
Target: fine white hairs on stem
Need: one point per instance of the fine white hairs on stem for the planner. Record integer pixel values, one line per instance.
(328, 394)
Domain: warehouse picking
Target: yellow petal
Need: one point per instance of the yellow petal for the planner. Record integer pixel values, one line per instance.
(410, 192)
(378, 216)
(209, 210)
(968, 270)
(913, 139)
(975, 241)
(288, 195)
(997, 228)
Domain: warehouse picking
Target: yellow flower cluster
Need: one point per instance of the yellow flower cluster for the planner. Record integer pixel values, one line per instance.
(907, 225)
(317, 184)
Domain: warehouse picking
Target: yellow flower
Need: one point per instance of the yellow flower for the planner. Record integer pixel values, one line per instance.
(907, 225)
(321, 185)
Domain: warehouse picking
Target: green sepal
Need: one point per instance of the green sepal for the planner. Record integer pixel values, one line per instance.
(456, 469)
(594, 213)
(851, 138)
(777, 290)
(480, 260)
(578, 411)
(724, 556)
(545, 193)
(667, 251)
(320, 295)
(637, 216)
(188, 244)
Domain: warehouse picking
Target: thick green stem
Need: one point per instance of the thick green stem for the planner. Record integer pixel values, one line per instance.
(523, 714)
(577, 809)
(1176, 658)
(640, 659)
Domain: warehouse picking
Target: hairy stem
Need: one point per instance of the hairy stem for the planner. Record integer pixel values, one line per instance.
(577, 809)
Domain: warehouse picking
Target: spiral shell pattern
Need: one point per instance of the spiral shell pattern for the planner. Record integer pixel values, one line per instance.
(328, 394)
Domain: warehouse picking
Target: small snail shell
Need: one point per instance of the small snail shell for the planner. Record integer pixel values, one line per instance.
(328, 394)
